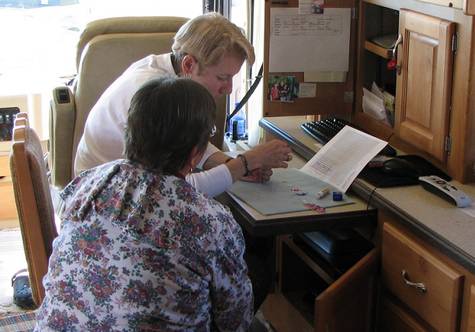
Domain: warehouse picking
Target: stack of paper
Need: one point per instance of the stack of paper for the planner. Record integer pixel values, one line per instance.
(378, 104)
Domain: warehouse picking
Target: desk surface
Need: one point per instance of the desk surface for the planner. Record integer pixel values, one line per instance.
(443, 225)
(257, 224)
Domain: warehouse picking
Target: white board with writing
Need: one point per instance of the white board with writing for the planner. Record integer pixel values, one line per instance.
(306, 42)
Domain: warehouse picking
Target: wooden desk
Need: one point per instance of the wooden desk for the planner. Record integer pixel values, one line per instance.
(257, 224)
(349, 290)
(424, 213)
(418, 232)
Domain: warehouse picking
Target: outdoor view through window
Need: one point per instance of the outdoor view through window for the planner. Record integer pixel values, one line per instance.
(39, 37)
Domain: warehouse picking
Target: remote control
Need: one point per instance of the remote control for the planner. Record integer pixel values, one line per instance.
(445, 190)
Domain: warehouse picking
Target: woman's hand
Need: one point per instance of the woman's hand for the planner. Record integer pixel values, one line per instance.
(259, 175)
(273, 154)
(259, 161)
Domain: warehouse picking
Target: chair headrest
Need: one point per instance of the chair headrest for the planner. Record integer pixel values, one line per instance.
(120, 25)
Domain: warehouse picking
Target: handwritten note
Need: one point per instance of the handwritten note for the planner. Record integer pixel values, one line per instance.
(309, 42)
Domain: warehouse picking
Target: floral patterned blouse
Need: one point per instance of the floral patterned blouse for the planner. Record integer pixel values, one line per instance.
(139, 251)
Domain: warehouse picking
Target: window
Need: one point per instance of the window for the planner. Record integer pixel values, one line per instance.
(39, 39)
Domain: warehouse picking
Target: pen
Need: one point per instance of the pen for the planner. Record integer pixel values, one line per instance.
(322, 193)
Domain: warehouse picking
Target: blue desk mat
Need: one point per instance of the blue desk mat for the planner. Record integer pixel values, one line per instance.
(289, 190)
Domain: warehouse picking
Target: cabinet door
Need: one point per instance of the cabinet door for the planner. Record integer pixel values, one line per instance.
(346, 305)
(424, 82)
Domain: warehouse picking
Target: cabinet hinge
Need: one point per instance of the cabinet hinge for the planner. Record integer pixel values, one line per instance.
(454, 42)
(448, 144)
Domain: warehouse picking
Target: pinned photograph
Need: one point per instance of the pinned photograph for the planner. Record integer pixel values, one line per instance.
(283, 88)
(317, 6)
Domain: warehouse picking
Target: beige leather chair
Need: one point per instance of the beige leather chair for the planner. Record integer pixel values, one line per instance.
(106, 48)
(33, 201)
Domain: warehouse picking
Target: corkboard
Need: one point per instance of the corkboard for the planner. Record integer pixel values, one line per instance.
(331, 98)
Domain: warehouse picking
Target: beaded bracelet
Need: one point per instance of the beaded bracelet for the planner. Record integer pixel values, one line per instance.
(244, 162)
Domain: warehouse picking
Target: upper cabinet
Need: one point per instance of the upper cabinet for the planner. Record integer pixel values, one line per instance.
(420, 55)
(424, 80)
(416, 55)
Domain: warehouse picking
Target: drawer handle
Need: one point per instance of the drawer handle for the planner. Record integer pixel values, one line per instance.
(417, 285)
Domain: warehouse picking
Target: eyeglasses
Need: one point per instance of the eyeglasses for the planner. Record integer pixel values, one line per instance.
(213, 131)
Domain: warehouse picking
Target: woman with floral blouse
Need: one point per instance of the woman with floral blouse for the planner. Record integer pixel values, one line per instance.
(140, 249)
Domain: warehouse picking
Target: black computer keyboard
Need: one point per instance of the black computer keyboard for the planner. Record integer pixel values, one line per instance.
(325, 130)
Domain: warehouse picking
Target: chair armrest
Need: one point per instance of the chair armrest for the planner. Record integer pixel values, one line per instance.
(62, 117)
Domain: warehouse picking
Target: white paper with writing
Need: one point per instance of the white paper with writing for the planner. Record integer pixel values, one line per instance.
(341, 160)
(307, 42)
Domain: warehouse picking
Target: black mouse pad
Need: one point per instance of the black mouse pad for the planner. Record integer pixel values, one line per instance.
(378, 178)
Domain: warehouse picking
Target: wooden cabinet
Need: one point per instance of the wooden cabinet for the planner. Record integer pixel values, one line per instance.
(471, 310)
(396, 319)
(424, 80)
(421, 288)
(417, 278)
(431, 84)
(428, 87)
(414, 68)
(311, 296)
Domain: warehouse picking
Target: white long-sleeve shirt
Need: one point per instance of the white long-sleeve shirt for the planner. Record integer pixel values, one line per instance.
(103, 137)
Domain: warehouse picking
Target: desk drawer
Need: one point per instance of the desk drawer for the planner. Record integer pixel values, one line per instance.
(396, 319)
(439, 304)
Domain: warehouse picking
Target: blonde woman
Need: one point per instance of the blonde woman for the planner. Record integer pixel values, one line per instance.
(210, 50)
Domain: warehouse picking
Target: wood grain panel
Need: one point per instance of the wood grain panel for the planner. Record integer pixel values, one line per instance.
(346, 305)
(468, 7)
(331, 98)
(283, 316)
(396, 319)
(440, 305)
(424, 85)
(471, 310)
(418, 111)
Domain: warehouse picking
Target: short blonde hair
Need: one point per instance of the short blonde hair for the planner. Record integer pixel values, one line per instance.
(208, 37)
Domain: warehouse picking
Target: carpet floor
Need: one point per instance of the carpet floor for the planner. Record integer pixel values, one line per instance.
(12, 259)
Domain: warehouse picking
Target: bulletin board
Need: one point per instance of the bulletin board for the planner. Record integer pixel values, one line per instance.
(309, 57)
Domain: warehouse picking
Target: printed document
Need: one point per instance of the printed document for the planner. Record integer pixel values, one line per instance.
(341, 160)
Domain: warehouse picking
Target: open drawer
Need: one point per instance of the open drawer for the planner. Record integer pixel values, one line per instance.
(313, 299)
